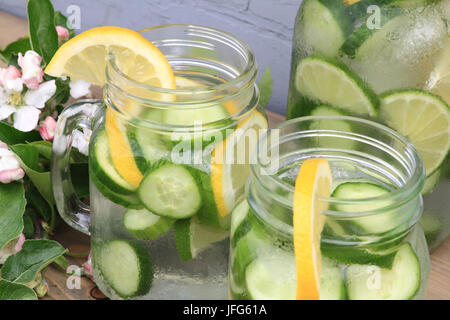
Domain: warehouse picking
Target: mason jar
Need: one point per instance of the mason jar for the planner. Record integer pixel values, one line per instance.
(372, 245)
(163, 179)
(387, 61)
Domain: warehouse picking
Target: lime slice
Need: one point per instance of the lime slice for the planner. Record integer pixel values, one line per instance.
(431, 182)
(365, 32)
(191, 237)
(335, 84)
(439, 81)
(424, 119)
(325, 25)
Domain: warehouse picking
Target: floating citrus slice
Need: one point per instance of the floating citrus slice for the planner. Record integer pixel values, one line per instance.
(313, 182)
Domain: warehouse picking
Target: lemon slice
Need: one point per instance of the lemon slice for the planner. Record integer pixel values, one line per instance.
(85, 57)
(313, 182)
(228, 178)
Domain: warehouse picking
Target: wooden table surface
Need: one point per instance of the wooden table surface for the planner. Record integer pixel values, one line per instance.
(12, 28)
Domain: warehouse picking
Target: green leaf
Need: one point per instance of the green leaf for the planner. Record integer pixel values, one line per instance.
(29, 157)
(62, 93)
(61, 20)
(44, 148)
(28, 223)
(15, 291)
(16, 47)
(34, 256)
(12, 207)
(39, 204)
(265, 87)
(11, 136)
(41, 20)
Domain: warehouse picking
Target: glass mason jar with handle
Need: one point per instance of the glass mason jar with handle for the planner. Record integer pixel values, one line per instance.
(372, 246)
(387, 61)
(161, 184)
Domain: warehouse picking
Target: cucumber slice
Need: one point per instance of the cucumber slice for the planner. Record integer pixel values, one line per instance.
(126, 267)
(332, 285)
(372, 224)
(401, 282)
(424, 119)
(239, 223)
(145, 225)
(333, 83)
(102, 166)
(170, 190)
(208, 214)
(274, 277)
(212, 121)
(381, 258)
(332, 124)
(149, 146)
(245, 251)
(363, 33)
(325, 25)
(130, 201)
(191, 237)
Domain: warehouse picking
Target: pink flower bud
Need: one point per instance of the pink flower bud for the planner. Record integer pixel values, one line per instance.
(47, 129)
(32, 73)
(8, 176)
(8, 74)
(87, 266)
(63, 33)
(10, 169)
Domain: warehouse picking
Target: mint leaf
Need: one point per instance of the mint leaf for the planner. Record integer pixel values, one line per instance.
(34, 256)
(12, 207)
(15, 291)
(265, 88)
(41, 20)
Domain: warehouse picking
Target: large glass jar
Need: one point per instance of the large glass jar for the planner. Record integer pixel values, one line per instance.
(162, 180)
(388, 61)
(372, 246)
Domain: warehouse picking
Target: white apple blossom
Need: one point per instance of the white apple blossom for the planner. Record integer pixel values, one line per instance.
(79, 88)
(26, 116)
(32, 72)
(81, 140)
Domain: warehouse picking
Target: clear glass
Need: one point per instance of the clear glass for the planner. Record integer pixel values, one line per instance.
(400, 48)
(167, 238)
(364, 240)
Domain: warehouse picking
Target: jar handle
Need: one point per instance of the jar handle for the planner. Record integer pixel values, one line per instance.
(78, 115)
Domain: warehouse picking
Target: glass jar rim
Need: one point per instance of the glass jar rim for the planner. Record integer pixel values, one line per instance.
(247, 76)
(411, 188)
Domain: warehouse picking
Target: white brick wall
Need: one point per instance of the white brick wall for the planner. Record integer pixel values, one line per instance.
(266, 25)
